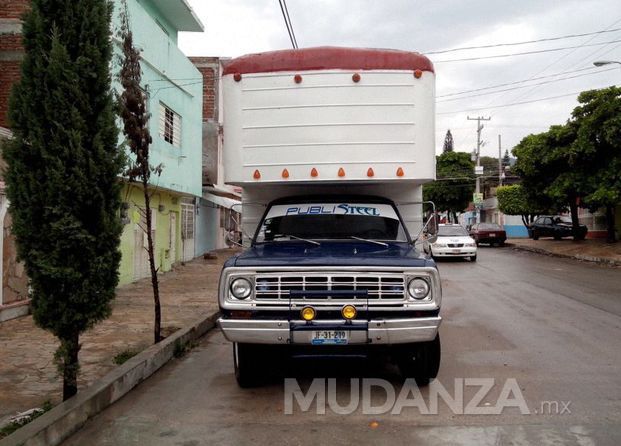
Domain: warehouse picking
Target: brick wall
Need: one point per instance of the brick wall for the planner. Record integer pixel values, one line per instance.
(209, 68)
(11, 50)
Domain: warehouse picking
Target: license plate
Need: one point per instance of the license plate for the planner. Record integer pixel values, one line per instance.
(456, 251)
(332, 337)
(492, 235)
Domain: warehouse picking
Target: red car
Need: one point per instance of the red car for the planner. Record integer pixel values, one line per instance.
(491, 233)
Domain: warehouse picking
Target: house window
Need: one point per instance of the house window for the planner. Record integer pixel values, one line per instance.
(170, 126)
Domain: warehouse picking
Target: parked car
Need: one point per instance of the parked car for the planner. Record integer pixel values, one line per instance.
(491, 233)
(556, 226)
(454, 241)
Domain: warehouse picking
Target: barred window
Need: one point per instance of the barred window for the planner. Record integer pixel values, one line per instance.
(170, 126)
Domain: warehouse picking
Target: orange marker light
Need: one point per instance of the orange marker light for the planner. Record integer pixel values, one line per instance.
(341, 172)
(355, 77)
(297, 78)
(418, 74)
(285, 173)
(314, 172)
(370, 172)
(256, 174)
(400, 172)
(237, 77)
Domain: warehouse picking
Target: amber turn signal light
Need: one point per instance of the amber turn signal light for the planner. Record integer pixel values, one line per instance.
(348, 312)
(308, 313)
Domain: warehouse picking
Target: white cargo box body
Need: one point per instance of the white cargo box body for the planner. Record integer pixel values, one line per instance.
(325, 115)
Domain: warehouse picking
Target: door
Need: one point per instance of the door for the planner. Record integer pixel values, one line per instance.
(187, 231)
(172, 238)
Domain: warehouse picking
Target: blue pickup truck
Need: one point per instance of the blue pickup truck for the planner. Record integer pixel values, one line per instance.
(332, 275)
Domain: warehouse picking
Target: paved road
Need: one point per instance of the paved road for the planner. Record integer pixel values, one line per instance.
(551, 326)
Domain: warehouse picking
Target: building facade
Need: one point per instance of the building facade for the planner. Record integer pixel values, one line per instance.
(218, 208)
(174, 90)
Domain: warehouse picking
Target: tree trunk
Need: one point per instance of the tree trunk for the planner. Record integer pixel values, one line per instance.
(70, 348)
(575, 222)
(610, 224)
(157, 331)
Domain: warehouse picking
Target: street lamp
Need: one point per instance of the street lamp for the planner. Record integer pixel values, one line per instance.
(601, 63)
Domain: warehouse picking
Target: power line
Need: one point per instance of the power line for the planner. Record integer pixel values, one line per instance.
(568, 36)
(556, 61)
(591, 68)
(525, 53)
(285, 16)
(525, 86)
(510, 105)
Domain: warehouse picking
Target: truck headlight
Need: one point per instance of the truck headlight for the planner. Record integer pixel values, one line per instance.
(241, 288)
(418, 288)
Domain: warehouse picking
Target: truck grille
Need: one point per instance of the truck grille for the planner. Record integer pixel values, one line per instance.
(344, 287)
(455, 245)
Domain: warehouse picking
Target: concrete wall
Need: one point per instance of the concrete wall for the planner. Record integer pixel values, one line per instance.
(208, 228)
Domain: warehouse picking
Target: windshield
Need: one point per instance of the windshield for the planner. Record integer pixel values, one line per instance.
(489, 226)
(451, 231)
(321, 221)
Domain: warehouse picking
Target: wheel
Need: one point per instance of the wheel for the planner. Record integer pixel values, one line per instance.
(501, 244)
(473, 258)
(557, 236)
(247, 363)
(535, 234)
(421, 361)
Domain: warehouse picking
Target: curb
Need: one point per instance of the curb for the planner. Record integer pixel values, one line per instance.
(68, 417)
(581, 257)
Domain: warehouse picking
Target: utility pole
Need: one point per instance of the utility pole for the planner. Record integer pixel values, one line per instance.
(480, 126)
(499, 162)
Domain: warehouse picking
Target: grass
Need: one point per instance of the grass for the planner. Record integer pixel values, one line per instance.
(181, 348)
(7, 430)
(124, 356)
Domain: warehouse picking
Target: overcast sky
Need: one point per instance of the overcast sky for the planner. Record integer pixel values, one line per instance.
(237, 27)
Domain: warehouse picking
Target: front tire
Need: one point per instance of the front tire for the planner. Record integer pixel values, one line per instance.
(246, 361)
(421, 361)
(473, 258)
(535, 234)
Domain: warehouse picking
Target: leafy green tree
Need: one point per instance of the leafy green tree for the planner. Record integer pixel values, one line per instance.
(452, 190)
(133, 111)
(597, 150)
(448, 142)
(513, 200)
(62, 171)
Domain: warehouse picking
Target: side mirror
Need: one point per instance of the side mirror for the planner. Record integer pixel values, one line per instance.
(234, 238)
(431, 229)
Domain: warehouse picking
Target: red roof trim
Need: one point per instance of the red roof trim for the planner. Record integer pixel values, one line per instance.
(324, 58)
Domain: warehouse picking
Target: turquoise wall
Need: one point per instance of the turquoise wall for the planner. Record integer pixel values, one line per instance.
(168, 77)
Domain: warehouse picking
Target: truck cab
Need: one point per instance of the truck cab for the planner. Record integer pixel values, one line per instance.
(331, 147)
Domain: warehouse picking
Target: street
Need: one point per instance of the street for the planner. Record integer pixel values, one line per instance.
(551, 325)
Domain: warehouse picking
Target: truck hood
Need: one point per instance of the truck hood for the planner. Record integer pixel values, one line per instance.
(331, 254)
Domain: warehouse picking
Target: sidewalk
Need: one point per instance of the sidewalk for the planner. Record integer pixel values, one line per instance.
(28, 376)
(592, 250)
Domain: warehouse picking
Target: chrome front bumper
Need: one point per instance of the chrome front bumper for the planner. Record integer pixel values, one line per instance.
(374, 331)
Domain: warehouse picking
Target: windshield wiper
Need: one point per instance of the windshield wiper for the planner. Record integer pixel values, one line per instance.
(377, 242)
(298, 238)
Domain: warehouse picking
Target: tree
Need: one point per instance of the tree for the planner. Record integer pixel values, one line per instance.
(62, 171)
(133, 111)
(452, 191)
(513, 200)
(506, 159)
(597, 150)
(541, 160)
(448, 142)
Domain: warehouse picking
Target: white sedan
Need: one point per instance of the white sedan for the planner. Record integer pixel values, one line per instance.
(454, 241)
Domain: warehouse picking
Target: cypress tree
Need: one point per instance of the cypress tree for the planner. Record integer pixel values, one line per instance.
(62, 171)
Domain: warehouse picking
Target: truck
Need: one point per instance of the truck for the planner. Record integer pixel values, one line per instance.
(331, 147)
